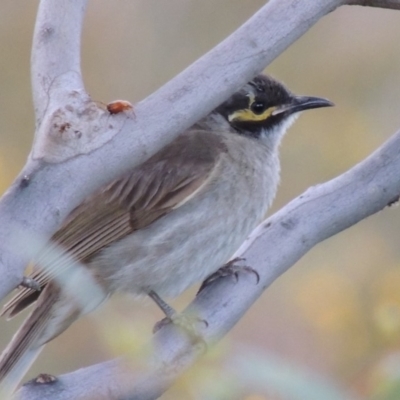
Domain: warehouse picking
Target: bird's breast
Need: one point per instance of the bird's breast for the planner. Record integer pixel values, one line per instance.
(194, 240)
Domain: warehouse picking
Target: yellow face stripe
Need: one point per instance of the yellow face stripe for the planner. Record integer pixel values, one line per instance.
(248, 115)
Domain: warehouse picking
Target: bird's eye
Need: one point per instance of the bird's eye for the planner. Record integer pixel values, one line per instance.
(258, 107)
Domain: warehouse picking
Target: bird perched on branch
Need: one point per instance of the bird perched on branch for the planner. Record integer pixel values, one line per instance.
(166, 224)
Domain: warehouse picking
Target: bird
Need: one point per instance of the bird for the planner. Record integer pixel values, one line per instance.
(166, 224)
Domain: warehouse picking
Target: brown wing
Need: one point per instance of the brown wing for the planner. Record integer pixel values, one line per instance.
(153, 189)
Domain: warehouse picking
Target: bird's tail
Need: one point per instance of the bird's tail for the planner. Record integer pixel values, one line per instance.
(51, 316)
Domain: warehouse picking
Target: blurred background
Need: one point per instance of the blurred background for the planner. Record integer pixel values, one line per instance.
(330, 327)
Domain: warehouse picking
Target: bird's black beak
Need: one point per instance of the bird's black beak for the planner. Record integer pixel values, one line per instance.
(301, 103)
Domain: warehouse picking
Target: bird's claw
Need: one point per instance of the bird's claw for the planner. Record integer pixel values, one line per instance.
(230, 269)
(188, 323)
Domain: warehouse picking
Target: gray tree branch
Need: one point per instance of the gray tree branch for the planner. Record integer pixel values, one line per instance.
(55, 179)
(55, 52)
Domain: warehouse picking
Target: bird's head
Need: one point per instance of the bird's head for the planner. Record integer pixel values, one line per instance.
(265, 108)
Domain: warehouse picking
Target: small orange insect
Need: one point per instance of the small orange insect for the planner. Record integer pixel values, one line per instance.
(118, 106)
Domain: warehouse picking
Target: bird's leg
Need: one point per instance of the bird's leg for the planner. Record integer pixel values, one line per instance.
(169, 312)
(183, 321)
(231, 268)
(30, 283)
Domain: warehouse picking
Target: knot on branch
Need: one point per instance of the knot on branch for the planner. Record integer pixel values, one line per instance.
(73, 126)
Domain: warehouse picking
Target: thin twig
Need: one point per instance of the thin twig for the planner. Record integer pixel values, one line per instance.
(390, 4)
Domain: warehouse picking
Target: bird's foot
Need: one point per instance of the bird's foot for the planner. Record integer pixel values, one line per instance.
(188, 323)
(30, 283)
(231, 268)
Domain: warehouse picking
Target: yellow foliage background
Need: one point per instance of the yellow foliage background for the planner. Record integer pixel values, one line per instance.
(337, 312)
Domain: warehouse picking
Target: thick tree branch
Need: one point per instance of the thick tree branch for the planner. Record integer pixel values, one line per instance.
(274, 246)
(55, 63)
